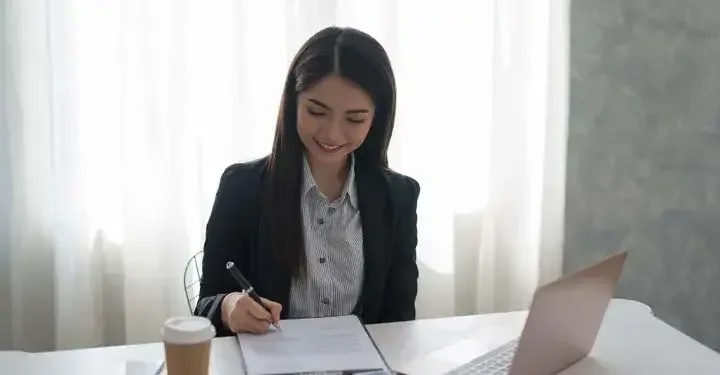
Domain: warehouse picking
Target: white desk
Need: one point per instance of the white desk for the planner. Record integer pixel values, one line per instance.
(631, 341)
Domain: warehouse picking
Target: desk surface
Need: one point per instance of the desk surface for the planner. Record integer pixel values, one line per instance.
(631, 341)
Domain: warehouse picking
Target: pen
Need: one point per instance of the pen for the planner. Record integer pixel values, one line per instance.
(247, 288)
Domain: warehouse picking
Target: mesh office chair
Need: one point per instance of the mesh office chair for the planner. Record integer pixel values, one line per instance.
(193, 273)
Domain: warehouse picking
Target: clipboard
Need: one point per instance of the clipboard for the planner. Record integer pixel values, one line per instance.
(334, 345)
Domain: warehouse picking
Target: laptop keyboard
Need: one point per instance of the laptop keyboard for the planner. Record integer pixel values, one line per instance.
(495, 362)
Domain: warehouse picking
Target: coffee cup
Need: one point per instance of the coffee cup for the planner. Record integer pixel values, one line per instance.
(187, 345)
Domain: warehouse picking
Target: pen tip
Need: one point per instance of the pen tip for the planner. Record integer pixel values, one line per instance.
(229, 265)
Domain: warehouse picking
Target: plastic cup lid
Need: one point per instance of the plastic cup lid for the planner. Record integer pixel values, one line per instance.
(187, 330)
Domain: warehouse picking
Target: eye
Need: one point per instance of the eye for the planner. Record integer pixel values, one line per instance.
(355, 120)
(315, 113)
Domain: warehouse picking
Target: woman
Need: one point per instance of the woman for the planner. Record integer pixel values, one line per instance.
(321, 227)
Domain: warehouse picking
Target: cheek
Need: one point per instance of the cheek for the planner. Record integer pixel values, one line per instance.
(357, 133)
(306, 124)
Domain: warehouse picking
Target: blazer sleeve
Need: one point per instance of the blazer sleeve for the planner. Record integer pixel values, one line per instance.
(402, 282)
(222, 243)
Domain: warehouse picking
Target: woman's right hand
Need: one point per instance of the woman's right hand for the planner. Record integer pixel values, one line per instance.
(241, 314)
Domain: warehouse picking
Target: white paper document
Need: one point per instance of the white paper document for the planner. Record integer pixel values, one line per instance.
(336, 344)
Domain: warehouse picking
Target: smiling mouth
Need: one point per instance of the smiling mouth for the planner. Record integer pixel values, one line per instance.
(328, 147)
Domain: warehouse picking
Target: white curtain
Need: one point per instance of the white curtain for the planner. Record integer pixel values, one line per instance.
(118, 117)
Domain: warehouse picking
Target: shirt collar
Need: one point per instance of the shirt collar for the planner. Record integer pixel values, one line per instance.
(349, 190)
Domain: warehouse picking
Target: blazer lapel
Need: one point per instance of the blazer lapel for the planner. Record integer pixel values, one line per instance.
(372, 197)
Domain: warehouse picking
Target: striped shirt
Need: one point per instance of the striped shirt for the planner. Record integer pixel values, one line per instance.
(333, 251)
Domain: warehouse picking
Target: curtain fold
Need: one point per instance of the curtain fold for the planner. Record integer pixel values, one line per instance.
(522, 224)
(119, 116)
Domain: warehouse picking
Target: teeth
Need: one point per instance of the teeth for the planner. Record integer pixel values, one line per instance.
(328, 147)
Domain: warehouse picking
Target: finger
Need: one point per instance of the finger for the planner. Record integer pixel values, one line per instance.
(242, 322)
(257, 311)
(253, 325)
(275, 309)
(246, 303)
(238, 319)
(260, 326)
(235, 323)
(242, 299)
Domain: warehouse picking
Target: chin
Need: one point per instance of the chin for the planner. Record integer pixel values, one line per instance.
(329, 158)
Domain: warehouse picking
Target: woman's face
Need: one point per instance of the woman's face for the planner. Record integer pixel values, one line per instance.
(334, 117)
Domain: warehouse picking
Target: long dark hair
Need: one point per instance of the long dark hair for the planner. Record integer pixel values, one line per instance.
(353, 55)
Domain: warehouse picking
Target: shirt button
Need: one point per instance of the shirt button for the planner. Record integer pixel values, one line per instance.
(320, 221)
(322, 260)
(325, 301)
(331, 210)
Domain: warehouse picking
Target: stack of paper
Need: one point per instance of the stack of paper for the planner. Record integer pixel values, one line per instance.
(322, 345)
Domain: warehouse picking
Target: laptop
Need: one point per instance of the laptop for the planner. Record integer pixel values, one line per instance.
(561, 327)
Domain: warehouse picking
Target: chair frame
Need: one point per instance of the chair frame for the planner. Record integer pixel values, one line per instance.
(192, 265)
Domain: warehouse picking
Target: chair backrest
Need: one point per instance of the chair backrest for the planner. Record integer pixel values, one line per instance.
(193, 273)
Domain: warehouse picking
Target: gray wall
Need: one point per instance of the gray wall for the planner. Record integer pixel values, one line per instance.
(644, 152)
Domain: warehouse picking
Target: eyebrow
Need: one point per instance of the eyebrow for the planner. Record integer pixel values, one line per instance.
(321, 104)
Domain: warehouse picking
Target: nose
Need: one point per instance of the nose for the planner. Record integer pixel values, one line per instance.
(333, 130)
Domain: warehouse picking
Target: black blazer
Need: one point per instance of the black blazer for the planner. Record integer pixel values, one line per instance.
(387, 203)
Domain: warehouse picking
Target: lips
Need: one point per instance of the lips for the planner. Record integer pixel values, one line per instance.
(327, 147)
